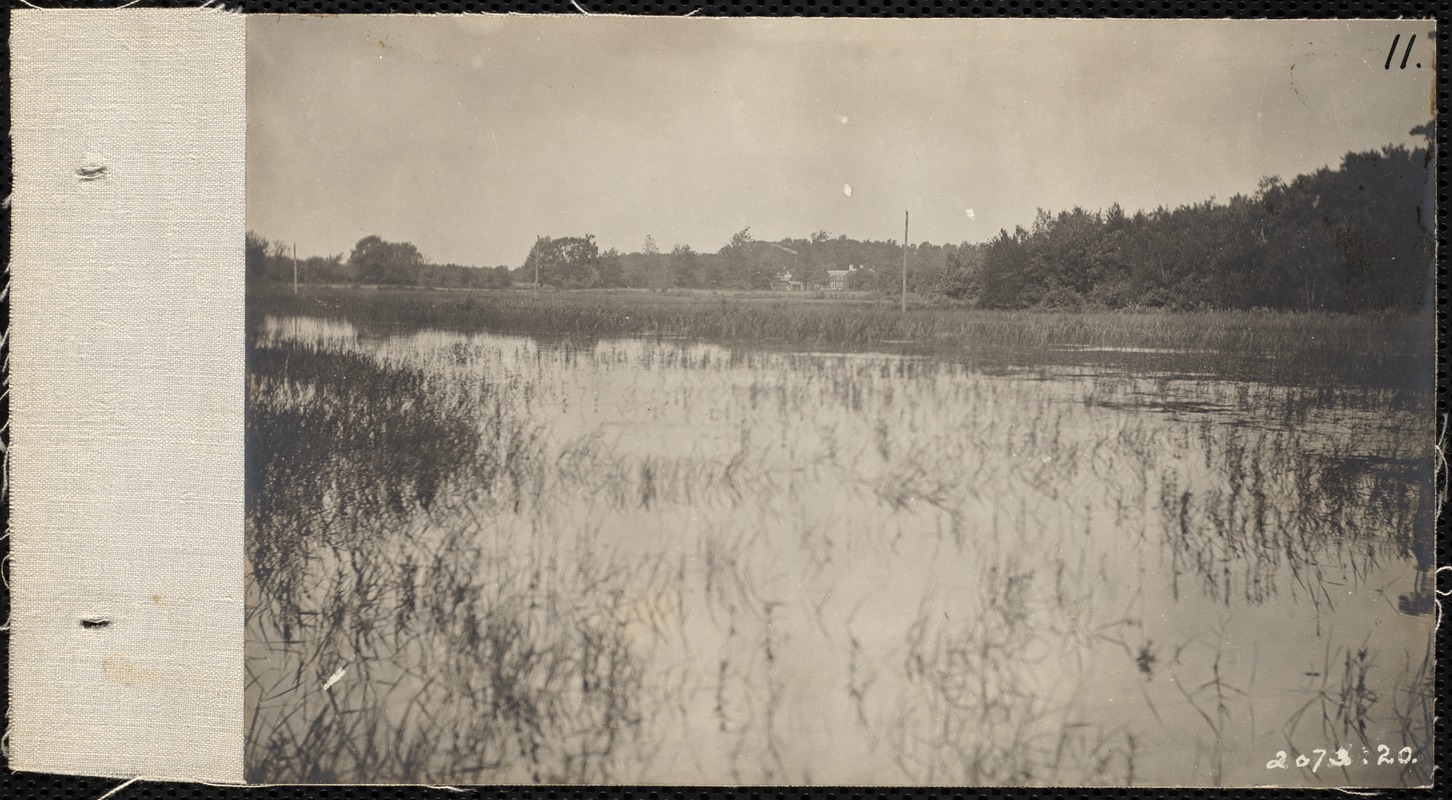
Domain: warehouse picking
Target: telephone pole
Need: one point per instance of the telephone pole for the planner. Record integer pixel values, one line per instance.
(294, 267)
(904, 260)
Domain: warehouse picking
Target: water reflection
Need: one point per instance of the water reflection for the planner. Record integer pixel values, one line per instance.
(671, 561)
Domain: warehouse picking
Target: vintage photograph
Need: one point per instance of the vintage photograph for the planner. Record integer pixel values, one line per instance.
(872, 402)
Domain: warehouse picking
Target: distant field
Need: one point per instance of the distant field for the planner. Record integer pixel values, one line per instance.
(1389, 350)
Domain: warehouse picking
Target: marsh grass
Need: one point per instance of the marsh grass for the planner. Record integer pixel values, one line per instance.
(976, 716)
(1347, 708)
(386, 644)
(1304, 348)
(565, 557)
(1292, 504)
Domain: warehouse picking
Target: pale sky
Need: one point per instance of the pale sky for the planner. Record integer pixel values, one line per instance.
(469, 136)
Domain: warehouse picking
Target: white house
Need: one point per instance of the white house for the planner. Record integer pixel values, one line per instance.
(837, 279)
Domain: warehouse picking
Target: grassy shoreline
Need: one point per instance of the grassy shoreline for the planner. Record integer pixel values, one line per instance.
(1371, 350)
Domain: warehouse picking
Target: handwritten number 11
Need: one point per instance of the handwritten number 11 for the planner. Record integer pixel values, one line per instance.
(1393, 51)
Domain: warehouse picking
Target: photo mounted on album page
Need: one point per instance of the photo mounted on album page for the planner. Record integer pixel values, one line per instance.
(622, 400)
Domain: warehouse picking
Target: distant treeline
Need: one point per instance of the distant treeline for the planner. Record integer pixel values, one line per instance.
(742, 263)
(373, 261)
(1353, 238)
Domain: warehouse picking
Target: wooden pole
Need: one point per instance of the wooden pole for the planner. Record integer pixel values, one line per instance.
(536, 268)
(904, 260)
(294, 288)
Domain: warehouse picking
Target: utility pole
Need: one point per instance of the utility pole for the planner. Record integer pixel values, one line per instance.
(536, 267)
(904, 260)
(294, 267)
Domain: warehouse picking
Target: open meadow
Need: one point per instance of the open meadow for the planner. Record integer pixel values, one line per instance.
(648, 537)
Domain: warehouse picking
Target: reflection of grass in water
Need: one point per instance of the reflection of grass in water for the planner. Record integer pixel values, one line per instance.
(1211, 700)
(1413, 702)
(1351, 712)
(472, 614)
(468, 651)
(975, 714)
(1290, 500)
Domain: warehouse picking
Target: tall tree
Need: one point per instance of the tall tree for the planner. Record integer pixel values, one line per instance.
(685, 268)
(257, 256)
(743, 265)
(383, 262)
(569, 262)
(655, 267)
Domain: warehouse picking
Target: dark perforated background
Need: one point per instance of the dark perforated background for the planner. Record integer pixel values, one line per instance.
(41, 787)
(1206, 9)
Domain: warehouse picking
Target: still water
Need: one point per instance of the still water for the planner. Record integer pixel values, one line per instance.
(678, 562)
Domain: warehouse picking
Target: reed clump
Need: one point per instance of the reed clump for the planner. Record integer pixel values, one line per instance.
(396, 633)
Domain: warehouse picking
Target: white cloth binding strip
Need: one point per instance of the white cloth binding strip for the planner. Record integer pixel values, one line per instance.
(127, 329)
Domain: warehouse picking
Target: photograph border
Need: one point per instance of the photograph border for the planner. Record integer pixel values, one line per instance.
(31, 785)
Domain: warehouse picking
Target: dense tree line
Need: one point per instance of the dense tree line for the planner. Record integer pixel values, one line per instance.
(1357, 237)
(1354, 238)
(372, 261)
(745, 262)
